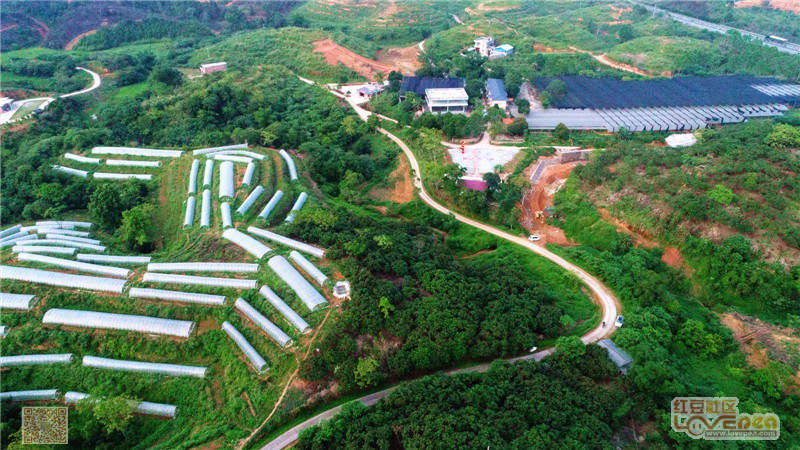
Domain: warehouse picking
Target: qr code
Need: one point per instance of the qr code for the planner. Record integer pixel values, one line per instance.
(44, 425)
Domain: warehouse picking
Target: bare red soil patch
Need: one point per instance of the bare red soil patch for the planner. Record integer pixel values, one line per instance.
(71, 44)
(783, 5)
(406, 58)
(402, 191)
(335, 54)
(540, 197)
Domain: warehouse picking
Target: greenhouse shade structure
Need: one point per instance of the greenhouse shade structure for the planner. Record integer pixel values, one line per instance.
(43, 249)
(61, 279)
(308, 295)
(140, 366)
(271, 205)
(11, 230)
(258, 362)
(61, 231)
(146, 408)
(289, 162)
(29, 360)
(246, 153)
(167, 278)
(205, 209)
(142, 324)
(202, 267)
(232, 158)
(250, 200)
(66, 243)
(309, 268)
(291, 316)
(291, 243)
(17, 301)
(81, 158)
(226, 180)
(225, 209)
(191, 205)
(136, 152)
(70, 171)
(193, 176)
(301, 200)
(178, 296)
(121, 176)
(68, 224)
(113, 259)
(66, 237)
(208, 173)
(75, 265)
(23, 396)
(129, 163)
(265, 324)
(246, 242)
(248, 174)
(22, 240)
(203, 151)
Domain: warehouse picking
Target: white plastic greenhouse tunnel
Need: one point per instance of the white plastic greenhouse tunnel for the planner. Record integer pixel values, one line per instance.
(24, 396)
(193, 176)
(166, 278)
(70, 171)
(177, 296)
(62, 231)
(130, 151)
(265, 324)
(66, 237)
(289, 162)
(191, 205)
(62, 279)
(81, 158)
(43, 249)
(75, 265)
(203, 267)
(246, 242)
(205, 210)
(226, 188)
(312, 270)
(141, 324)
(247, 179)
(301, 200)
(225, 209)
(291, 316)
(246, 153)
(289, 242)
(113, 259)
(250, 200)
(203, 151)
(208, 173)
(132, 163)
(9, 231)
(17, 301)
(232, 158)
(121, 176)
(307, 293)
(141, 366)
(68, 224)
(258, 362)
(273, 202)
(65, 243)
(146, 408)
(30, 360)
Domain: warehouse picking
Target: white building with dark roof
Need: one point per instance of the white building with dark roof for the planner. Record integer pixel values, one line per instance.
(453, 100)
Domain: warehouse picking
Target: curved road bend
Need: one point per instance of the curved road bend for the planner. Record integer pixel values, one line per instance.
(606, 299)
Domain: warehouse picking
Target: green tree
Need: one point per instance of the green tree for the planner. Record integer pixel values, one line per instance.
(386, 306)
(166, 75)
(114, 412)
(561, 132)
(556, 87)
(138, 230)
(523, 106)
(784, 136)
(721, 194)
(546, 99)
(365, 371)
(105, 207)
(517, 127)
(570, 346)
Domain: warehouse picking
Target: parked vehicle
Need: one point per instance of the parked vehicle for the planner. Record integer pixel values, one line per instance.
(618, 323)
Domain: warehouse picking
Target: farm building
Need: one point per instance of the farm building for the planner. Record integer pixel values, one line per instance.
(484, 44)
(679, 104)
(452, 100)
(620, 357)
(496, 93)
(341, 289)
(370, 90)
(213, 67)
(501, 51)
(419, 85)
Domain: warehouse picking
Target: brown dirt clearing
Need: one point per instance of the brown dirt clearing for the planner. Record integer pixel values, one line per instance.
(71, 44)
(406, 58)
(761, 341)
(335, 54)
(402, 191)
(541, 196)
(618, 11)
(783, 5)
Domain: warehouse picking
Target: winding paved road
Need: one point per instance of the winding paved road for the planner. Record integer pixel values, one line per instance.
(96, 82)
(602, 294)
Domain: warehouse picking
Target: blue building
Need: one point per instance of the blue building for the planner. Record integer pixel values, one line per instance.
(496, 93)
